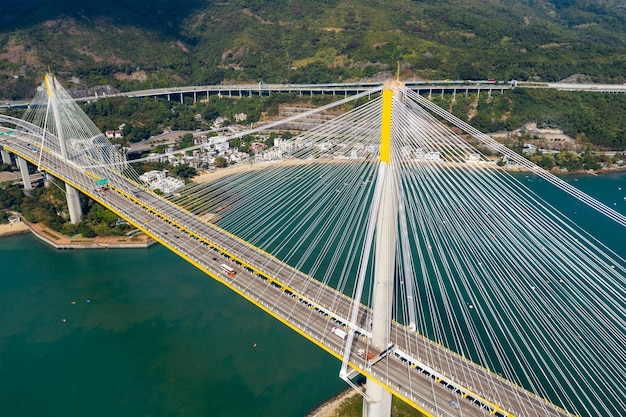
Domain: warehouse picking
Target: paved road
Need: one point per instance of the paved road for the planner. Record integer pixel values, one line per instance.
(241, 90)
(429, 376)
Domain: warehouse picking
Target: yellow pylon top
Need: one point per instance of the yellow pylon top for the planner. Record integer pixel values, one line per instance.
(47, 80)
(385, 128)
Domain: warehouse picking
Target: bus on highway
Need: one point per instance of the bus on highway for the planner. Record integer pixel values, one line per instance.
(230, 271)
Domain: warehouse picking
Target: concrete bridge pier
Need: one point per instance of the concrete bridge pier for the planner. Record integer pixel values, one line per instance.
(379, 404)
(73, 204)
(6, 157)
(23, 167)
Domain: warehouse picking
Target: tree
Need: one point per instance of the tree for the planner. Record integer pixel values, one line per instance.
(85, 230)
(547, 161)
(98, 214)
(11, 197)
(184, 171)
(186, 141)
(590, 161)
(220, 162)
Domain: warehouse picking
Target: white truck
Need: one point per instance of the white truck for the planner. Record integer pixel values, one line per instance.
(338, 332)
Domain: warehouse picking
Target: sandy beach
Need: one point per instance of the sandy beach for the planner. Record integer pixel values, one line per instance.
(491, 164)
(257, 166)
(13, 229)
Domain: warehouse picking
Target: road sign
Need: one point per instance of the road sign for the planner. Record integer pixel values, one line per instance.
(102, 182)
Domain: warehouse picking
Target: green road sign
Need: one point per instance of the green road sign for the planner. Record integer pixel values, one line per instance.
(102, 182)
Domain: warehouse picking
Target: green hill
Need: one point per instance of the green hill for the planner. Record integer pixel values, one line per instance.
(143, 44)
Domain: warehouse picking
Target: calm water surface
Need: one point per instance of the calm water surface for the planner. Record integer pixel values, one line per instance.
(148, 335)
(142, 333)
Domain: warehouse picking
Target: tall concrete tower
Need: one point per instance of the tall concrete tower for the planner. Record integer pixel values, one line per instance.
(379, 402)
(73, 201)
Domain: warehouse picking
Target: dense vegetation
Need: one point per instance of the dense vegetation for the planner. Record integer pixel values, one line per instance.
(596, 120)
(143, 118)
(48, 206)
(592, 119)
(143, 44)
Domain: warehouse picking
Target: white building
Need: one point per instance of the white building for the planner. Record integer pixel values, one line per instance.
(272, 155)
(222, 146)
(158, 180)
(113, 134)
(286, 146)
(152, 176)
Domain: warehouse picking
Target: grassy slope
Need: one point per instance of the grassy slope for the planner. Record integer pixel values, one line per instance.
(200, 41)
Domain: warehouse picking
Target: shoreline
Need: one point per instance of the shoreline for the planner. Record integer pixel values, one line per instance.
(12, 229)
(220, 173)
(331, 407)
(59, 241)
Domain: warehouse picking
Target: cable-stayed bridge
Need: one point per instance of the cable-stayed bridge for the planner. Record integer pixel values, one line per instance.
(496, 303)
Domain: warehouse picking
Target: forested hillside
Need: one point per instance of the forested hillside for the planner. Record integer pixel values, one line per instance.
(141, 44)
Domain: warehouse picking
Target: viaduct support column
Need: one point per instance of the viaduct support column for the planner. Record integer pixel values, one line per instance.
(6, 157)
(23, 166)
(73, 203)
(379, 404)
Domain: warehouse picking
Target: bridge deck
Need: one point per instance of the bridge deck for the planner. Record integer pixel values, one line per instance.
(429, 376)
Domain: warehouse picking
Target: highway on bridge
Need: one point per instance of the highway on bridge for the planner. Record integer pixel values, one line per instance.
(429, 376)
(264, 89)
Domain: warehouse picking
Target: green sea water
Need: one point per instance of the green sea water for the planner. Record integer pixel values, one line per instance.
(142, 333)
(609, 189)
(148, 335)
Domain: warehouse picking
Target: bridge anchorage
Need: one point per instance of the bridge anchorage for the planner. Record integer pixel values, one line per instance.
(388, 239)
